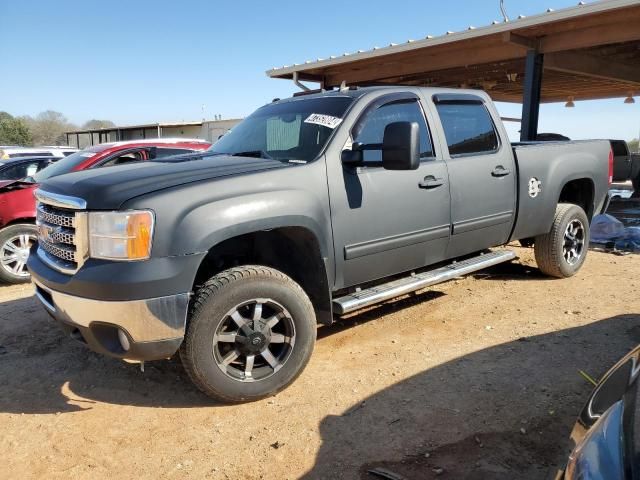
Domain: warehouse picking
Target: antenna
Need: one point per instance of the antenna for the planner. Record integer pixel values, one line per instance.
(503, 11)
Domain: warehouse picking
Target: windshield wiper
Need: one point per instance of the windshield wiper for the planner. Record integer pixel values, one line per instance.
(253, 153)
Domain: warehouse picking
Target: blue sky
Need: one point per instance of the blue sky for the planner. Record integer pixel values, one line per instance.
(146, 61)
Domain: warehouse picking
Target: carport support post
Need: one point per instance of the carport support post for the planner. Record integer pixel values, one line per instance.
(531, 95)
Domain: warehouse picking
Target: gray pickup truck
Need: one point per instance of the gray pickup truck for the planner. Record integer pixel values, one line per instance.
(313, 207)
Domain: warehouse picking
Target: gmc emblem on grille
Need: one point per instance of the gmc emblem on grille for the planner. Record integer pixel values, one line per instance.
(45, 232)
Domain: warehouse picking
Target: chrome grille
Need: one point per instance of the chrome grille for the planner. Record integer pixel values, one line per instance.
(50, 215)
(61, 234)
(65, 253)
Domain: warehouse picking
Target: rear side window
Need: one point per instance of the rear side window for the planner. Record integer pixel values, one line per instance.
(370, 128)
(468, 128)
(167, 152)
(21, 170)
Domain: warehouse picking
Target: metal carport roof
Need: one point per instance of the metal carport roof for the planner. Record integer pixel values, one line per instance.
(590, 51)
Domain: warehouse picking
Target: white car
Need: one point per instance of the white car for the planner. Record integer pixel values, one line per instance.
(55, 151)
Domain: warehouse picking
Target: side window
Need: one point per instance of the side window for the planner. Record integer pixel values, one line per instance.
(468, 128)
(167, 152)
(370, 129)
(128, 157)
(20, 171)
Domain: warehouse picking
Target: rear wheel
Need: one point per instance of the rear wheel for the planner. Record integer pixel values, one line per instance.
(250, 334)
(15, 243)
(561, 252)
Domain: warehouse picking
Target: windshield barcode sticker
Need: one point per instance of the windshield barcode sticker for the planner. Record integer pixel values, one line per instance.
(324, 120)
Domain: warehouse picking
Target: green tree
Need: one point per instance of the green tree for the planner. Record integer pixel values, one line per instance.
(633, 145)
(48, 128)
(96, 124)
(13, 131)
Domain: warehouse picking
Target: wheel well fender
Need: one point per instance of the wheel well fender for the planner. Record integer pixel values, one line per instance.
(579, 191)
(294, 250)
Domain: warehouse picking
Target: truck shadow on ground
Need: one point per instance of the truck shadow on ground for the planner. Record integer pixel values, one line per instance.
(489, 394)
(43, 371)
(500, 413)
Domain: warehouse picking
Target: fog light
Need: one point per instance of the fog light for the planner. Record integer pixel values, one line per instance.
(124, 340)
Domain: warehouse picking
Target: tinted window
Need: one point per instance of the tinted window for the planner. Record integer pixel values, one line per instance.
(297, 129)
(166, 152)
(468, 128)
(370, 128)
(21, 170)
(129, 157)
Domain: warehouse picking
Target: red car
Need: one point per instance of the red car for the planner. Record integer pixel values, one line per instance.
(18, 207)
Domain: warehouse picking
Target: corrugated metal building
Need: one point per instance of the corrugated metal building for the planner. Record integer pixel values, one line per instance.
(209, 130)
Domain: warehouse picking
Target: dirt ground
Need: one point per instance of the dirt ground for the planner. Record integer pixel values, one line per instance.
(477, 378)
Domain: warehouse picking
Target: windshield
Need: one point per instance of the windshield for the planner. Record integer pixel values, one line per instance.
(65, 165)
(293, 130)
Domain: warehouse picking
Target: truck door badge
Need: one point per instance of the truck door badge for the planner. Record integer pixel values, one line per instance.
(535, 187)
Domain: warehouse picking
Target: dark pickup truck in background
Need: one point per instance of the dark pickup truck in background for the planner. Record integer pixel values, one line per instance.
(313, 206)
(626, 166)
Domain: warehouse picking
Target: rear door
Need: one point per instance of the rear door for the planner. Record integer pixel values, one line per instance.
(482, 174)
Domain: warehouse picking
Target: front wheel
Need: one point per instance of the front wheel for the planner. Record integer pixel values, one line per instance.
(250, 333)
(15, 243)
(561, 252)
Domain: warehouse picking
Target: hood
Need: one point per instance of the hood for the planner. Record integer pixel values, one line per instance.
(108, 188)
(10, 185)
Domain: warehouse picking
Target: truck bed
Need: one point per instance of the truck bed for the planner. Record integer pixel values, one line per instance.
(554, 165)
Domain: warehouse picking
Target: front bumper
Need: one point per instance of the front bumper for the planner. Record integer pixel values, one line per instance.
(153, 328)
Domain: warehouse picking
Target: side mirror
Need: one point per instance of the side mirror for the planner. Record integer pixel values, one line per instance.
(354, 156)
(401, 146)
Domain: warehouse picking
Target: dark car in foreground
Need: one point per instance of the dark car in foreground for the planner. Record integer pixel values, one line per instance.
(607, 433)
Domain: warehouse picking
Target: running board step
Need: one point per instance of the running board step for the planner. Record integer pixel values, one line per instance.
(402, 286)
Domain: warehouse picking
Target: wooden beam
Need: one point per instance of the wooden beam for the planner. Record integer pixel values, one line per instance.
(395, 66)
(622, 31)
(520, 40)
(592, 66)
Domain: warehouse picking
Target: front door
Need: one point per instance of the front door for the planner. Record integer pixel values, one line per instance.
(482, 175)
(387, 222)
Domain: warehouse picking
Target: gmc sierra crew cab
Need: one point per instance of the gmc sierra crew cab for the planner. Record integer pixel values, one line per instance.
(313, 207)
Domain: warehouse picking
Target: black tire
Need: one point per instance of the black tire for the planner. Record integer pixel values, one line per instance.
(240, 290)
(13, 257)
(556, 253)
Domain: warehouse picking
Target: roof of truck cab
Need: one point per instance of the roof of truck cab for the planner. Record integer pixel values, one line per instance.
(358, 92)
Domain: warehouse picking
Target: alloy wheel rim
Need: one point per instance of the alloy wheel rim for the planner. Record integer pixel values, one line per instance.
(254, 340)
(573, 242)
(15, 252)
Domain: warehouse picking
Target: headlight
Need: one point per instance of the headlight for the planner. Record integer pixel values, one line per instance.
(121, 235)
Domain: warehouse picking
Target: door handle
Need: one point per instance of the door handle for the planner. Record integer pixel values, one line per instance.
(431, 182)
(500, 171)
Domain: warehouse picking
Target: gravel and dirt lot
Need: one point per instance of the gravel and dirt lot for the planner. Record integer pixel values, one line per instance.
(477, 378)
